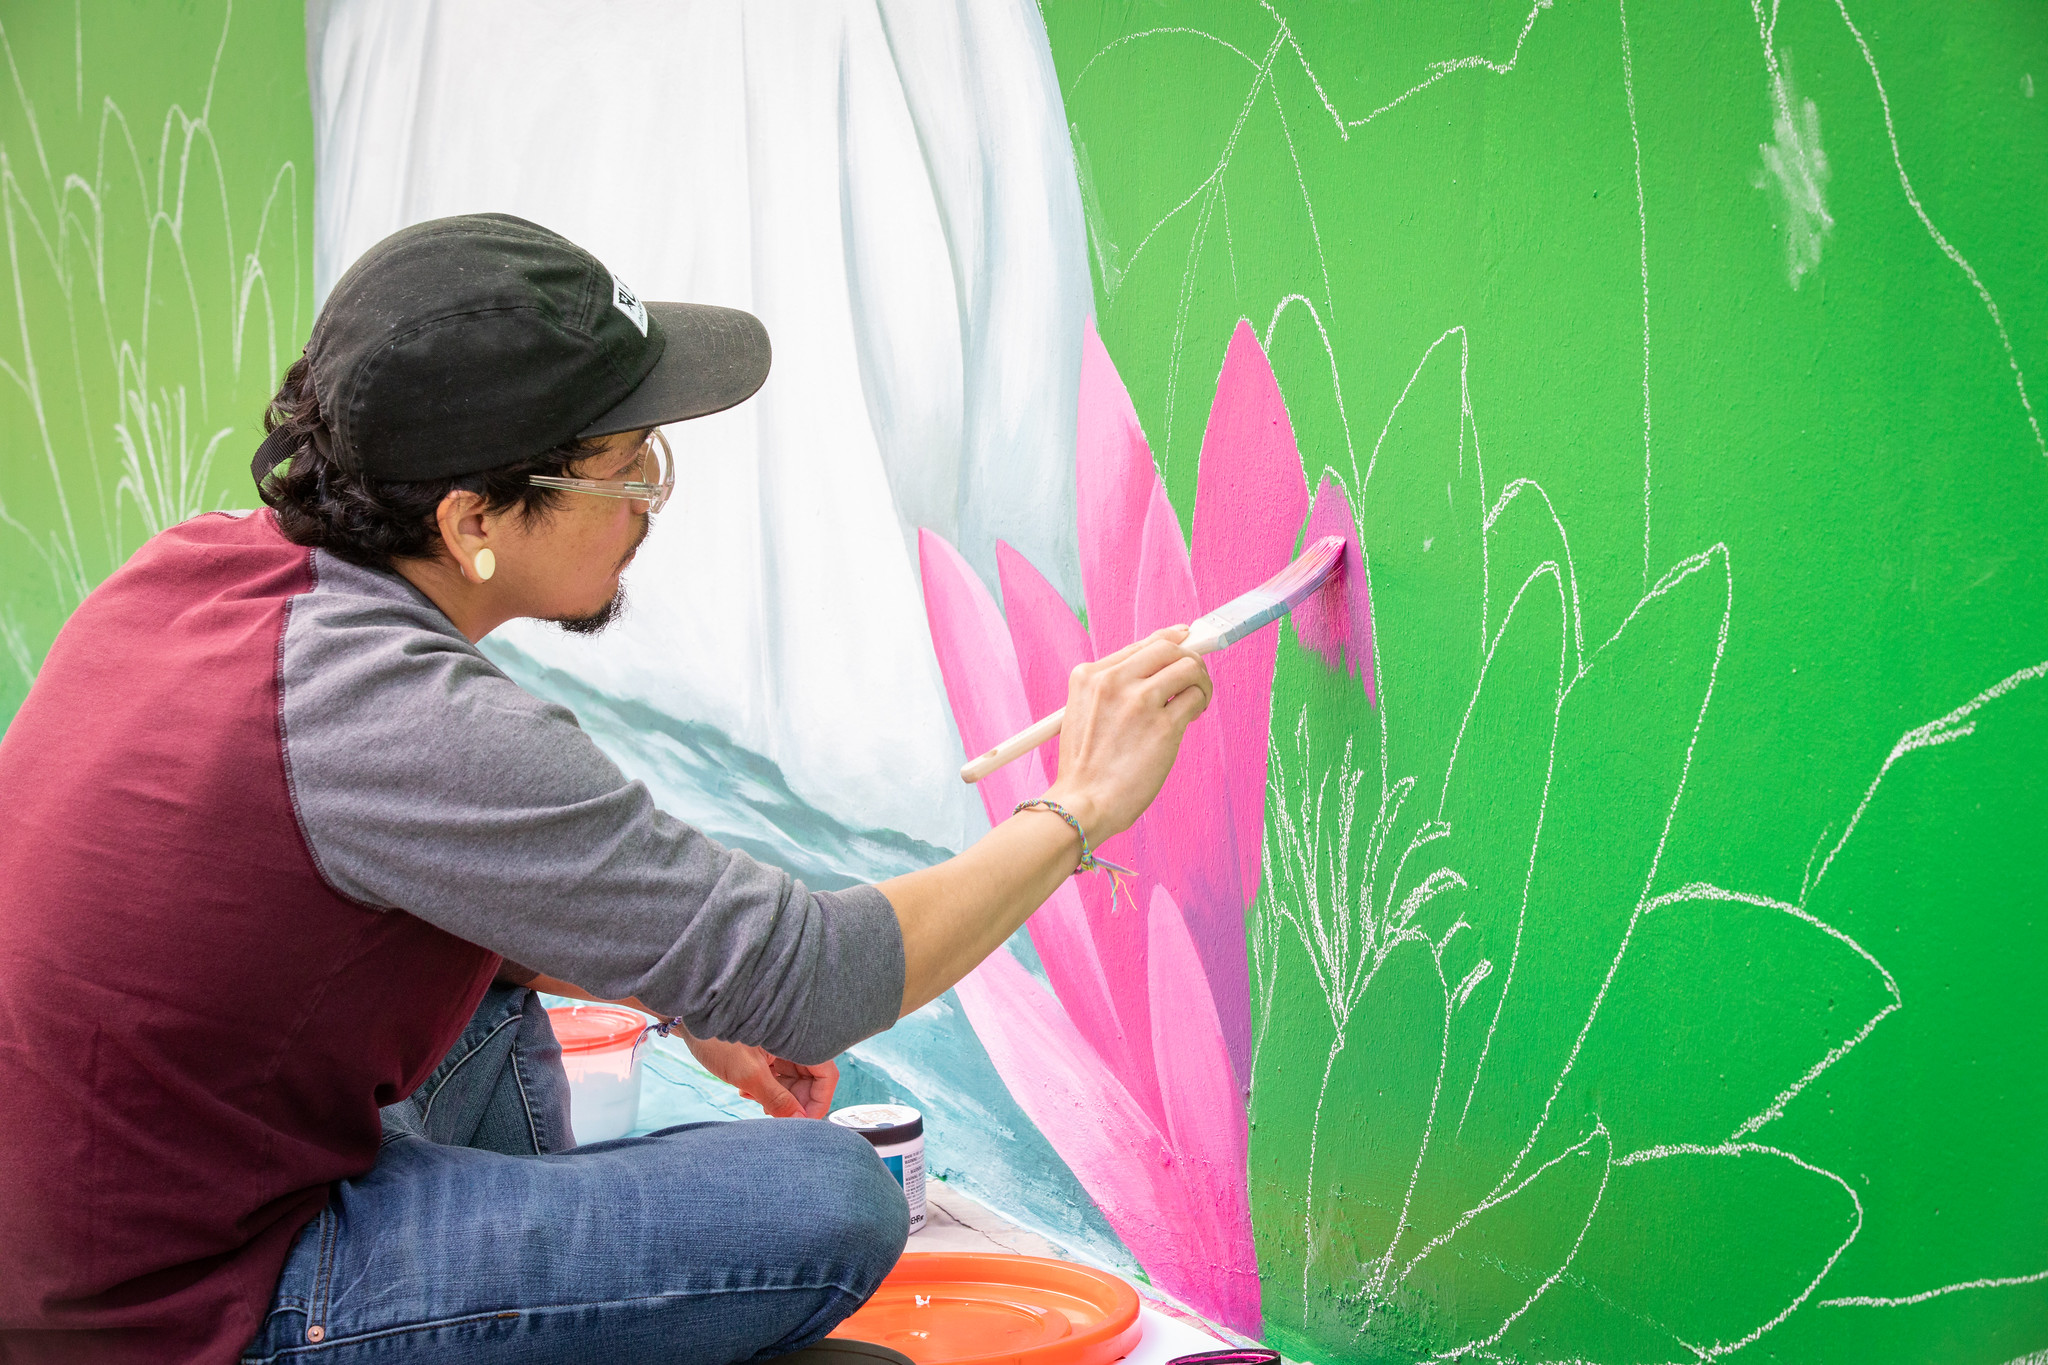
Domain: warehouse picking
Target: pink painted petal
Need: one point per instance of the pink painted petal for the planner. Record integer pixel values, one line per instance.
(1091, 983)
(978, 664)
(1337, 622)
(1049, 640)
(1113, 483)
(1205, 1122)
(1165, 582)
(1115, 941)
(1187, 840)
(979, 667)
(1250, 498)
(1120, 1156)
(1117, 935)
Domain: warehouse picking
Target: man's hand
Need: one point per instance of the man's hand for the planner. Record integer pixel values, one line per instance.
(783, 1089)
(1125, 717)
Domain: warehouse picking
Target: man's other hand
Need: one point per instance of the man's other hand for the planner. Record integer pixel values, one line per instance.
(783, 1089)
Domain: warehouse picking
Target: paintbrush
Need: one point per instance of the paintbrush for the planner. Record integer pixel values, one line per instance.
(1226, 625)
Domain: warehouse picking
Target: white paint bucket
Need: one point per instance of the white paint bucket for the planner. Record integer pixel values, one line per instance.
(601, 1053)
(896, 1131)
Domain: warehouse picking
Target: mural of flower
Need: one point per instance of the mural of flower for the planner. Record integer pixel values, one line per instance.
(158, 288)
(1519, 1094)
(1135, 1064)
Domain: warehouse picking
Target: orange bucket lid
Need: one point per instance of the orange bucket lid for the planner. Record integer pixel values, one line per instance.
(966, 1308)
(595, 1028)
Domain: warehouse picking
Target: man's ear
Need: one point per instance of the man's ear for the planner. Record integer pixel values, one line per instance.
(466, 533)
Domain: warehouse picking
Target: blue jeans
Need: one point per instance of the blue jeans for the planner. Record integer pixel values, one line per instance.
(481, 1234)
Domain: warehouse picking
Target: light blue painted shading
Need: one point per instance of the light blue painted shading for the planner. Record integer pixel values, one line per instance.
(675, 1089)
(736, 796)
(976, 1138)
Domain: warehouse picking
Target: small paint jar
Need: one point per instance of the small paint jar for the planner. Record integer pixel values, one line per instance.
(896, 1132)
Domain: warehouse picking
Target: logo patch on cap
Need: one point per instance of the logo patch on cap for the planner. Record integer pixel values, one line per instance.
(628, 302)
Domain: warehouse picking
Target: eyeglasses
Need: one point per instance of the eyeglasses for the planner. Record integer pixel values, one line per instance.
(654, 491)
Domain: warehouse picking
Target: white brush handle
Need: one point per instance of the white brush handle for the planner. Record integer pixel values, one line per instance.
(1015, 747)
(1202, 639)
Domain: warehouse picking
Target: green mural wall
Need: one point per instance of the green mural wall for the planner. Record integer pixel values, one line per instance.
(156, 189)
(1652, 975)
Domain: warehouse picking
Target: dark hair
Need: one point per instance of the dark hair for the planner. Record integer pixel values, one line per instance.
(374, 521)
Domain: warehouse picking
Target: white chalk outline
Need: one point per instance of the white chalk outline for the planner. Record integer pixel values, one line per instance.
(1209, 190)
(162, 473)
(1578, 1241)
(1907, 1300)
(1891, 133)
(1263, 83)
(1698, 891)
(1439, 70)
(1362, 932)
(1674, 576)
(1297, 852)
(1206, 193)
(1941, 730)
(1347, 939)
(1635, 137)
(1336, 380)
(1739, 1149)
(1067, 96)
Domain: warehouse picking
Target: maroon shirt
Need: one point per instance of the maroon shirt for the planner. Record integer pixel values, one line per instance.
(196, 1032)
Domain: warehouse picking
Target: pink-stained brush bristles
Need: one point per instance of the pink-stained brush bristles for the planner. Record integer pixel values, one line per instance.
(1226, 625)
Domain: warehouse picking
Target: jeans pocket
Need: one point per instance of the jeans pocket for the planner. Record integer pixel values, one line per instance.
(300, 1301)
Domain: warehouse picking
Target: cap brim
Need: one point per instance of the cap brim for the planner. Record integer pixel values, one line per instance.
(714, 358)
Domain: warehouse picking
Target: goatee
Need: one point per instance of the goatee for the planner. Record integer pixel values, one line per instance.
(596, 621)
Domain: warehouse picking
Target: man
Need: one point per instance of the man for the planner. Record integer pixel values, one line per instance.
(279, 837)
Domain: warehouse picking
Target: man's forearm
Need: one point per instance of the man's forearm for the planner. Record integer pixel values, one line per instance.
(553, 985)
(956, 913)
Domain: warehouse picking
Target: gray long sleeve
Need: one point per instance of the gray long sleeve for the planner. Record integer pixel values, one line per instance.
(426, 780)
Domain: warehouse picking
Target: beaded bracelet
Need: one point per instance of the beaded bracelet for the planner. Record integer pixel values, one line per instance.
(1089, 862)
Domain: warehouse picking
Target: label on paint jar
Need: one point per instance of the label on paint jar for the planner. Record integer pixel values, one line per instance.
(896, 1132)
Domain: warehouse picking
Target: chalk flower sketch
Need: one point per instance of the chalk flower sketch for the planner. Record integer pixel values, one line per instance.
(1524, 1086)
(1444, 1206)
(143, 309)
(1437, 1204)
(1134, 1062)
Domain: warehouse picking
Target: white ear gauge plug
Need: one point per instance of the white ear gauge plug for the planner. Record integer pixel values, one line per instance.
(485, 564)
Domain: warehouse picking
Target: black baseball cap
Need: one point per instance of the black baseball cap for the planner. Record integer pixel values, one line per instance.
(463, 344)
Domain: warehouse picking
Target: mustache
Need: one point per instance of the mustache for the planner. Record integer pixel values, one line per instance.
(646, 529)
(597, 621)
